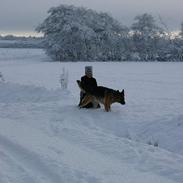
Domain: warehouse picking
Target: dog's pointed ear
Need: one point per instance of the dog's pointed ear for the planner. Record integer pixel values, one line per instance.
(123, 91)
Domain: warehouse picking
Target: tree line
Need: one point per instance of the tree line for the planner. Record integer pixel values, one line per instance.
(80, 34)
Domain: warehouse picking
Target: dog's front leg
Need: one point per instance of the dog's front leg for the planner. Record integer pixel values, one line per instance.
(106, 104)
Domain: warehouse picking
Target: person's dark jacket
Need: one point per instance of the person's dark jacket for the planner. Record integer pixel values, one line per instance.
(89, 84)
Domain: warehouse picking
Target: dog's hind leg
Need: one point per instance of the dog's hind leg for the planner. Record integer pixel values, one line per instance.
(86, 100)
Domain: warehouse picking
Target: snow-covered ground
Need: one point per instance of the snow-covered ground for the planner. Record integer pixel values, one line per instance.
(45, 138)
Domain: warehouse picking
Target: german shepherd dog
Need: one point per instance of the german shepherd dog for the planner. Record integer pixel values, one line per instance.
(103, 95)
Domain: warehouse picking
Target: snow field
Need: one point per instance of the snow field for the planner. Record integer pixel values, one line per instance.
(44, 137)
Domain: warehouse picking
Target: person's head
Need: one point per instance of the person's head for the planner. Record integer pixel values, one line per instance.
(88, 71)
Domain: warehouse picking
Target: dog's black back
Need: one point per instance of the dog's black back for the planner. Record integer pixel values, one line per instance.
(97, 91)
(100, 91)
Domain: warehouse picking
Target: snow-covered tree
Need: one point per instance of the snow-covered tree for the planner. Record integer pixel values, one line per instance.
(75, 33)
(146, 34)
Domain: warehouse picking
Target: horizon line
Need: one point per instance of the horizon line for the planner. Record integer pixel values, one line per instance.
(36, 34)
(21, 33)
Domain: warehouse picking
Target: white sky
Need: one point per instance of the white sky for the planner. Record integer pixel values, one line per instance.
(25, 15)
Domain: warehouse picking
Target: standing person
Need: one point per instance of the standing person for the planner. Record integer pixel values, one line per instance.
(90, 83)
